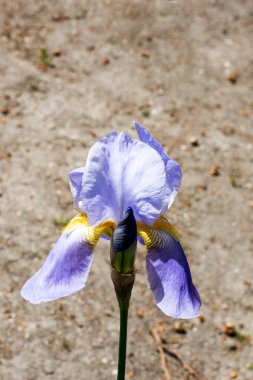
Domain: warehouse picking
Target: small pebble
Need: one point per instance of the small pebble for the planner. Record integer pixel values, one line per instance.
(90, 48)
(179, 327)
(49, 367)
(145, 53)
(5, 155)
(56, 52)
(214, 170)
(229, 329)
(80, 323)
(233, 375)
(201, 318)
(233, 347)
(106, 61)
(232, 76)
(140, 313)
(5, 111)
(194, 141)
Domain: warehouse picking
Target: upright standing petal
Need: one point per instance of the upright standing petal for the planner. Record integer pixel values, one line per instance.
(173, 171)
(169, 273)
(76, 177)
(66, 269)
(121, 173)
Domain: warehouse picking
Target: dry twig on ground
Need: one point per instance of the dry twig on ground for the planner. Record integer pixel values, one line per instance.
(164, 352)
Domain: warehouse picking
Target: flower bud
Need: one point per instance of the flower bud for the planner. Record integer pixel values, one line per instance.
(123, 244)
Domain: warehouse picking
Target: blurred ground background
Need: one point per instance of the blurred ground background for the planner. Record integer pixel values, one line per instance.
(71, 72)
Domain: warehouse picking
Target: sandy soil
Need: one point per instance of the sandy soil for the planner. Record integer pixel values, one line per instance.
(71, 72)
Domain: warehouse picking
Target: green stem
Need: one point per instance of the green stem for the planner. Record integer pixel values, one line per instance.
(122, 341)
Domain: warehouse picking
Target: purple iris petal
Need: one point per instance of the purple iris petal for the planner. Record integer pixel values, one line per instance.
(173, 171)
(64, 272)
(170, 280)
(121, 172)
(75, 183)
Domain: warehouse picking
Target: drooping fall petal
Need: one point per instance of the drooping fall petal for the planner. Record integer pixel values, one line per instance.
(67, 266)
(168, 272)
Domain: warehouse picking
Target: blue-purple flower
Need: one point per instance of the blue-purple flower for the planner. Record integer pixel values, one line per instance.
(121, 174)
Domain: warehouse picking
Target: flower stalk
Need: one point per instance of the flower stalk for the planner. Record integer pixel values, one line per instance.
(123, 252)
(122, 342)
(123, 284)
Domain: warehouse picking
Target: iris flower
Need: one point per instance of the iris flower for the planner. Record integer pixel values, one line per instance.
(121, 174)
